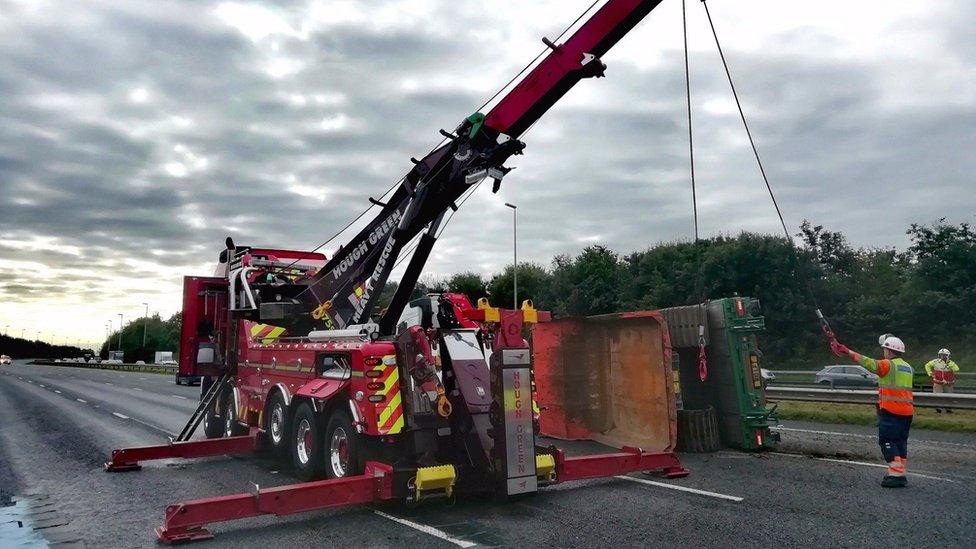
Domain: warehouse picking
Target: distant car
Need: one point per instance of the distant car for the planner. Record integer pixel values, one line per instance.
(112, 361)
(846, 376)
(188, 380)
(140, 362)
(4, 359)
(767, 375)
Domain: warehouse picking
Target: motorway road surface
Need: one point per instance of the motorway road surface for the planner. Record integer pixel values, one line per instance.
(59, 424)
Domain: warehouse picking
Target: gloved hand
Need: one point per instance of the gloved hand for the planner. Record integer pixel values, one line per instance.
(839, 348)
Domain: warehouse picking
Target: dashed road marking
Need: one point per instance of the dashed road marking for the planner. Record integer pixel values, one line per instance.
(427, 530)
(81, 400)
(57, 391)
(862, 464)
(42, 385)
(179, 396)
(120, 416)
(137, 389)
(30, 381)
(727, 497)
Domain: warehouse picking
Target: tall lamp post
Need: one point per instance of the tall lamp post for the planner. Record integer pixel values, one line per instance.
(145, 325)
(120, 331)
(515, 253)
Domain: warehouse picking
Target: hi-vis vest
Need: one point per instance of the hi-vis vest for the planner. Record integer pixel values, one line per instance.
(895, 378)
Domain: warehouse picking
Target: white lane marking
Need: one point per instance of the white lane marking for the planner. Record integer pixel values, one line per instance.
(178, 396)
(427, 530)
(42, 385)
(871, 437)
(120, 416)
(137, 389)
(862, 464)
(57, 391)
(81, 400)
(30, 381)
(142, 379)
(108, 383)
(681, 488)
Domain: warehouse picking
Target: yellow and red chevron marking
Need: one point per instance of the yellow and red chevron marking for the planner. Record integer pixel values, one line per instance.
(266, 332)
(389, 413)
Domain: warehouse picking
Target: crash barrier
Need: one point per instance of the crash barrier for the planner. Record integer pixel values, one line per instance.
(144, 368)
(959, 401)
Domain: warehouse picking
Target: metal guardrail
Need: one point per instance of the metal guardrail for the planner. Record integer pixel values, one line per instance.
(849, 396)
(145, 368)
(814, 372)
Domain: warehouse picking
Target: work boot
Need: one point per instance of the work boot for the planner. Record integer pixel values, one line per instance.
(894, 482)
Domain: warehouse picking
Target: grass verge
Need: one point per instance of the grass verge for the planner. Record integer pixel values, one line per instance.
(864, 414)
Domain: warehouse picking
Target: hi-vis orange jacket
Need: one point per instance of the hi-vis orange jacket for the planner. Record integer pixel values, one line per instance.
(894, 383)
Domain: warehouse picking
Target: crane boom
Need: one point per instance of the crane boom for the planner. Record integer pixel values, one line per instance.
(345, 291)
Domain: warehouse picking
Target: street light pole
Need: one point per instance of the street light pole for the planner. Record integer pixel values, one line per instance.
(120, 331)
(515, 253)
(145, 325)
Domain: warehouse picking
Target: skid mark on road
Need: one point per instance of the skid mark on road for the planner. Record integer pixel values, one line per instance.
(430, 530)
(726, 497)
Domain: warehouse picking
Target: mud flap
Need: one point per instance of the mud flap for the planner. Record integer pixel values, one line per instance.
(607, 378)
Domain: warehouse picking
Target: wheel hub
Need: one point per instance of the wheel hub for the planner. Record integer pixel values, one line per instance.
(303, 441)
(339, 452)
(277, 422)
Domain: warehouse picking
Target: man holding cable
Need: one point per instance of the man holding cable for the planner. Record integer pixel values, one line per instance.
(895, 407)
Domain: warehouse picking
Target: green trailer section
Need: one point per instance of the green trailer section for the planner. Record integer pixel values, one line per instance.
(733, 387)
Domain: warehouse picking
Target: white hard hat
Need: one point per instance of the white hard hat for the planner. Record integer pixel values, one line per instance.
(882, 338)
(944, 352)
(893, 343)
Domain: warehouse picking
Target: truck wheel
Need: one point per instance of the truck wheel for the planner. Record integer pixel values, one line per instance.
(341, 446)
(231, 427)
(306, 443)
(212, 426)
(276, 425)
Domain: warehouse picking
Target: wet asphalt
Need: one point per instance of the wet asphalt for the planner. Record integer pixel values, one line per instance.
(59, 424)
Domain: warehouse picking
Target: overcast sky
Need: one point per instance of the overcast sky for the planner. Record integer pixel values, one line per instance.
(135, 135)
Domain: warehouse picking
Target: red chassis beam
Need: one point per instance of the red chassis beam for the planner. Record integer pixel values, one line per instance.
(184, 521)
(127, 459)
(630, 460)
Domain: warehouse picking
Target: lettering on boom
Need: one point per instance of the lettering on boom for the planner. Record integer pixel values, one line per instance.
(360, 301)
(375, 236)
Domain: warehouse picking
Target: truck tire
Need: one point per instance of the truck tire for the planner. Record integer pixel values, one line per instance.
(307, 434)
(276, 425)
(341, 446)
(213, 427)
(698, 431)
(231, 427)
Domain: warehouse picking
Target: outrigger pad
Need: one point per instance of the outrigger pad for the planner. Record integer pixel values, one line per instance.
(607, 378)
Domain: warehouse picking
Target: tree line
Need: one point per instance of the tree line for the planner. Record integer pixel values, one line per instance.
(926, 294)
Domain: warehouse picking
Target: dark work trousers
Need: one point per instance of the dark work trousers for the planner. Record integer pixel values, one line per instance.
(893, 435)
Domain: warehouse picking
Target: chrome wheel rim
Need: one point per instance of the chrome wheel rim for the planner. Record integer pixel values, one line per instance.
(303, 441)
(229, 422)
(339, 452)
(277, 422)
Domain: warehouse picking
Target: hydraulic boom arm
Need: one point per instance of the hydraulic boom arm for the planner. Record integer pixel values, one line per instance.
(345, 291)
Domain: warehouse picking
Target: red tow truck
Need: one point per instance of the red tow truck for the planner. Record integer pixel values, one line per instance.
(422, 400)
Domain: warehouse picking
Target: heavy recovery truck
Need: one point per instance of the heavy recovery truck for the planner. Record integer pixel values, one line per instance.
(424, 399)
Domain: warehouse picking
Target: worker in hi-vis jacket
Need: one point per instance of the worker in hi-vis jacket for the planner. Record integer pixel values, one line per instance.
(942, 370)
(895, 407)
